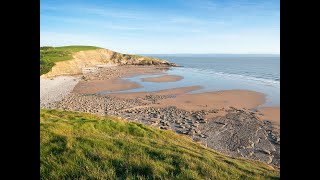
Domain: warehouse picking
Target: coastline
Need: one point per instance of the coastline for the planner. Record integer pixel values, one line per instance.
(270, 113)
(110, 85)
(173, 109)
(164, 78)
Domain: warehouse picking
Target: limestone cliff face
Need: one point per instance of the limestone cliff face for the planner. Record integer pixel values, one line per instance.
(91, 58)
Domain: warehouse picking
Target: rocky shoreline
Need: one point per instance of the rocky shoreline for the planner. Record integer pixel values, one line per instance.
(234, 131)
(239, 133)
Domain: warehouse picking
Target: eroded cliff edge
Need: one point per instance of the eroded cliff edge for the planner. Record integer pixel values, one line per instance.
(92, 58)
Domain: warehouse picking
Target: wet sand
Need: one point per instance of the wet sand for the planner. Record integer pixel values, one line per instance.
(143, 70)
(201, 101)
(270, 113)
(221, 120)
(173, 92)
(216, 100)
(114, 72)
(109, 80)
(164, 78)
(110, 85)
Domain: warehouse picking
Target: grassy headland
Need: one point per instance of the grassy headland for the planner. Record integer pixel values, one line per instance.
(50, 55)
(83, 146)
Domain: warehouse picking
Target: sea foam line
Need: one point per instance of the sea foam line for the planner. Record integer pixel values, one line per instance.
(264, 81)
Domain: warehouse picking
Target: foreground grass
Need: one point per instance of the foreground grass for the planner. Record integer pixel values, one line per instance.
(50, 55)
(83, 146)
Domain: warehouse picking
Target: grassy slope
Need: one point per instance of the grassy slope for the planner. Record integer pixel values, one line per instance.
(50, 55)
(78, 145)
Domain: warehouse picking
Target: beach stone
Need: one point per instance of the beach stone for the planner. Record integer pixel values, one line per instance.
(203, 136)
(241, 134)
(191, 133)
(238, 133)
(164, 127)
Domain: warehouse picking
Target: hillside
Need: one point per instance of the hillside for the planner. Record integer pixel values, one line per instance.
(83, 146)
(69, 60)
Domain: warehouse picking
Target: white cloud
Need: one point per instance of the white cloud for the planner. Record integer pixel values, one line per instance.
(106, 12)
(186, 20)
(99, 24)
(129, 31)
(116, 13)
(63, 39)
(219, 43)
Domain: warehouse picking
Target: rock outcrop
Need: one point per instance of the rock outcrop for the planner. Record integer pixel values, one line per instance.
(239, 133)
(91, 58)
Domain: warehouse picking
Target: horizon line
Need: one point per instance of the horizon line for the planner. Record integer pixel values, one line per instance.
(218, 53)
(273, 53)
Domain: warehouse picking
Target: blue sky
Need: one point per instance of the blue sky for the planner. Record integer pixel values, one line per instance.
(163, 26)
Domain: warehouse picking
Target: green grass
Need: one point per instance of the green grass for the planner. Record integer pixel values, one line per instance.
(50, 55)
(76, 48)
(83, 146)
(145, 61)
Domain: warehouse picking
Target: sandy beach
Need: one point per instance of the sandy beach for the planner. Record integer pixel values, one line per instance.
(108, 79)
(115, 72)
(215, 119)
(270, 113)
(173, 92)
(55, 89)
(217, 100)
(107, 85)
(164, 78)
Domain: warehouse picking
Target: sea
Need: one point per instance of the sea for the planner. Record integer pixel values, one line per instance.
(216, 72)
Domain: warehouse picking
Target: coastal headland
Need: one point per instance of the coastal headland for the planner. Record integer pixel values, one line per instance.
(231, 121)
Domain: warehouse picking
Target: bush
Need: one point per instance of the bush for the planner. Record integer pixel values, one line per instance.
(45, 66)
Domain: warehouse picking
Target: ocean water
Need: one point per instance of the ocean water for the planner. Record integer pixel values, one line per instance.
(222, 72)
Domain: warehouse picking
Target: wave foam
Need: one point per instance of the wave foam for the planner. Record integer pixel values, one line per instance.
(264, 81)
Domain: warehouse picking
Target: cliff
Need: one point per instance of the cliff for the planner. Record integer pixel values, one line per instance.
(89, 58)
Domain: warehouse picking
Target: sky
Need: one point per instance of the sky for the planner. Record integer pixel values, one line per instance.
(163, 26)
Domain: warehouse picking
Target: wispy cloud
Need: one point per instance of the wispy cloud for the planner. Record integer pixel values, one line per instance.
(120, 27)
(174, 26)
(61, 39)
(115, 13)
(202, 4)
(186, 20)
(232, 6)
(206, 4)
(191, 24)
(106, 12)
(164, 27)
(82, 21)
